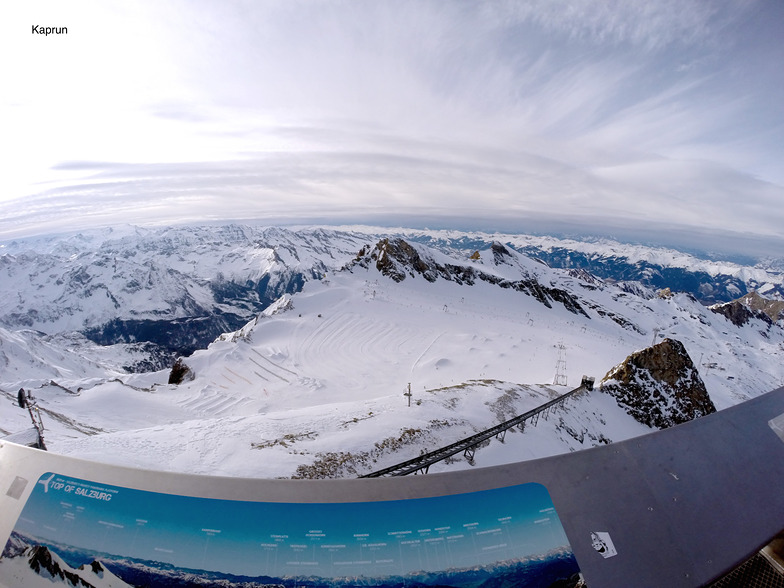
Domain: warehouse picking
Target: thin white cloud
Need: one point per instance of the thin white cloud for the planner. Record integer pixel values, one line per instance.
(650, 25)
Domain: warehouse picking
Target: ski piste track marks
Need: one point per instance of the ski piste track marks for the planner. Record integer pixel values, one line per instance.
(232, 372)
(211, 402)
(346, 337)
(424, 352)
(351, 334)
(266, 370)
(268, 360)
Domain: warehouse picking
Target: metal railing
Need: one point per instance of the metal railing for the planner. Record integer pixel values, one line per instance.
(468, 446)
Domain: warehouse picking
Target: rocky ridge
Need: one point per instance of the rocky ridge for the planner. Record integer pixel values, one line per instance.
(659, 386)
(396, 259)
(178, 288)
(773, 308)
(749, 307)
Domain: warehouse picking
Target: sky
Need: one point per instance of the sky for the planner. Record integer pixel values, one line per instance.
(615, 117)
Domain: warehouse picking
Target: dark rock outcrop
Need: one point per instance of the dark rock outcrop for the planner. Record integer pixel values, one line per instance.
(739, 314)
(773, 308)
(398, 259)
(43, 564)
(180, 372)
(659, 386)
(501, 254)
(394, 257)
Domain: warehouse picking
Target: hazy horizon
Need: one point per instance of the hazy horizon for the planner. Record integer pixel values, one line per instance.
(658, 122)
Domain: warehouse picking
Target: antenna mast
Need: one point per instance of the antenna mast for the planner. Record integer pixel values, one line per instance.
(560, 366)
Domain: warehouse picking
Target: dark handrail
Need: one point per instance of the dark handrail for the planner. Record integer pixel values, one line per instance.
(424, 461)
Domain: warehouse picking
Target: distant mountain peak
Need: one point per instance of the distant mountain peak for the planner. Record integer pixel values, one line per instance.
(43, 562)
(773, 308)
(396, 259)
(501, 254)
(47, 565)
(749, 307)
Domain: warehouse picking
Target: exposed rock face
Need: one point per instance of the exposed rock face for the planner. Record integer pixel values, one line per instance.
(773, 308)
(43, 564)
(180, 372)
(397, 259)
(500, 253)
(739, 314)
(394, 257)
(659, 386)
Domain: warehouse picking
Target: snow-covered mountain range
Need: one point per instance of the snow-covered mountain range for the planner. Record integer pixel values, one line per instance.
(300, 343)
(179, 288)
(31, 564)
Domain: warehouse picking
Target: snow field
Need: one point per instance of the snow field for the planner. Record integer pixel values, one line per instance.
(326, 377)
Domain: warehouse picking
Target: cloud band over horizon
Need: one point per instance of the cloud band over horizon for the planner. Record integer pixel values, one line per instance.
(640, 113)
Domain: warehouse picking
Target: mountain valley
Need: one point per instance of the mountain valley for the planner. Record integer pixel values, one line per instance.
(307, 340)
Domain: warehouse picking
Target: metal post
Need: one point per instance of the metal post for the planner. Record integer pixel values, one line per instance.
(28, 402)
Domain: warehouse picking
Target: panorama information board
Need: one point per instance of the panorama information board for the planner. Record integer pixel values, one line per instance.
(503, 536)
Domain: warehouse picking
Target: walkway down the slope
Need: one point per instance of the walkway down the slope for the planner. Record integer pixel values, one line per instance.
(468, 446)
